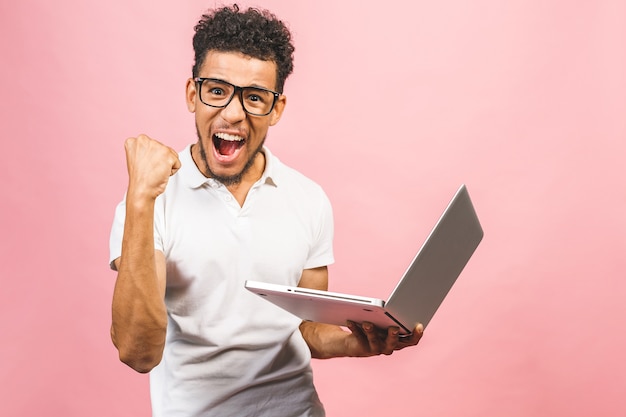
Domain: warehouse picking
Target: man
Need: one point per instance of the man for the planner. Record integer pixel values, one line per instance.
(195, 225)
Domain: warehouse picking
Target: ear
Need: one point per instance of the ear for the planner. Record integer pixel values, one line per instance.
(190, 95)
(277, 112)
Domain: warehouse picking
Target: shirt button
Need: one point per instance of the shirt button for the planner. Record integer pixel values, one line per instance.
(227, 198)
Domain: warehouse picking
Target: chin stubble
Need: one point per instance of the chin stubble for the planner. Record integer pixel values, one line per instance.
(229, 179)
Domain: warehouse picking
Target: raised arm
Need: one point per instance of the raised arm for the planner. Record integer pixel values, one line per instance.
(139, 314)
(329, 341)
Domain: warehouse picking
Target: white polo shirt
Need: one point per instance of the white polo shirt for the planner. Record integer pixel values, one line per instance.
(228, 351)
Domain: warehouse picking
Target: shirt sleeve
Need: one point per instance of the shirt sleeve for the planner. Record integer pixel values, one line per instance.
(117, 230)
(321, 253)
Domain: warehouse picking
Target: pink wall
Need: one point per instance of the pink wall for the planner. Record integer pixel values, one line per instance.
(522, 100)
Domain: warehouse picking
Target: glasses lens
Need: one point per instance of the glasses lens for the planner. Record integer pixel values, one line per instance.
(216, 93)
(256, 101)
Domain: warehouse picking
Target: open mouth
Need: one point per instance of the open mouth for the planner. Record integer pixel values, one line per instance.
(227, 145)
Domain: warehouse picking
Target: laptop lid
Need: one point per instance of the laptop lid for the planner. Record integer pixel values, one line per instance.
(438, 263)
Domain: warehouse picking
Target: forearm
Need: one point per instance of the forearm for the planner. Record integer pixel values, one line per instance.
(139, 314)
(325, 340)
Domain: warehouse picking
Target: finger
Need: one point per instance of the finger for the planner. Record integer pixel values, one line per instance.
(392, 340)
(356, 331)
(176, 165)
(374, 339)
(417, 334)
(129, 145)
(415, 337)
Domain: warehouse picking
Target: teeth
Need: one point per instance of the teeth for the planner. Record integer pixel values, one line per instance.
(230, 138)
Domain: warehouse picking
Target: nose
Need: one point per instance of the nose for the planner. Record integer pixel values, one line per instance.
(234, 112)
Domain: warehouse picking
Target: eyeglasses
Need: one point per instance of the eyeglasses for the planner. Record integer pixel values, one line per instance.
(256, 101)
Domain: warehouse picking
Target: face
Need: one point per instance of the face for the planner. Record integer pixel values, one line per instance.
(229, 139)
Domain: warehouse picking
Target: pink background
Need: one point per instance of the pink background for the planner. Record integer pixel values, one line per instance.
(524, 101)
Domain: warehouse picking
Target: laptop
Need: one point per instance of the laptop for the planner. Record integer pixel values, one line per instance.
(416, 297)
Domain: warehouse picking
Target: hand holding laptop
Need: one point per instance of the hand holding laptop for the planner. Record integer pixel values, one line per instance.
(372, 340)
(364, 339)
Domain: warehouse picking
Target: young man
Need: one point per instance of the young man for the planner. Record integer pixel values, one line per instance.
(195, 225)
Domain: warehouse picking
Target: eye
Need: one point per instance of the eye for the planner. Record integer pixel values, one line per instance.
(255, 96)
(216, 91)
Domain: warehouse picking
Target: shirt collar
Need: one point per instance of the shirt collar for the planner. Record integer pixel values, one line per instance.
(196, 179)
(270, 172)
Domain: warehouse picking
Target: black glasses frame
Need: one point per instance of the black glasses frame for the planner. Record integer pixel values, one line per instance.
(236, 88)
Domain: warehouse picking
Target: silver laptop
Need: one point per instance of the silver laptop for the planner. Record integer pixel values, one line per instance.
(418, 294)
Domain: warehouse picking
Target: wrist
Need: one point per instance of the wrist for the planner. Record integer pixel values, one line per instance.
(139, 197)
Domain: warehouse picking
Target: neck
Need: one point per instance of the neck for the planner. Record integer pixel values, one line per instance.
(240, 189)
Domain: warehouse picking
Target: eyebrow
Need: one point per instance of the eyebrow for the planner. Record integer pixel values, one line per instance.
(242, 86)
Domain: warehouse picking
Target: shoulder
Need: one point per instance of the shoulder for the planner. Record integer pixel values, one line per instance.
(289, 178)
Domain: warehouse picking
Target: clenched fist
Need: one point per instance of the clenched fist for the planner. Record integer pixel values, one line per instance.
(150, 165)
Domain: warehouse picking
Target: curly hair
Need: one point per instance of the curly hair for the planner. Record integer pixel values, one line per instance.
(255, 33)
